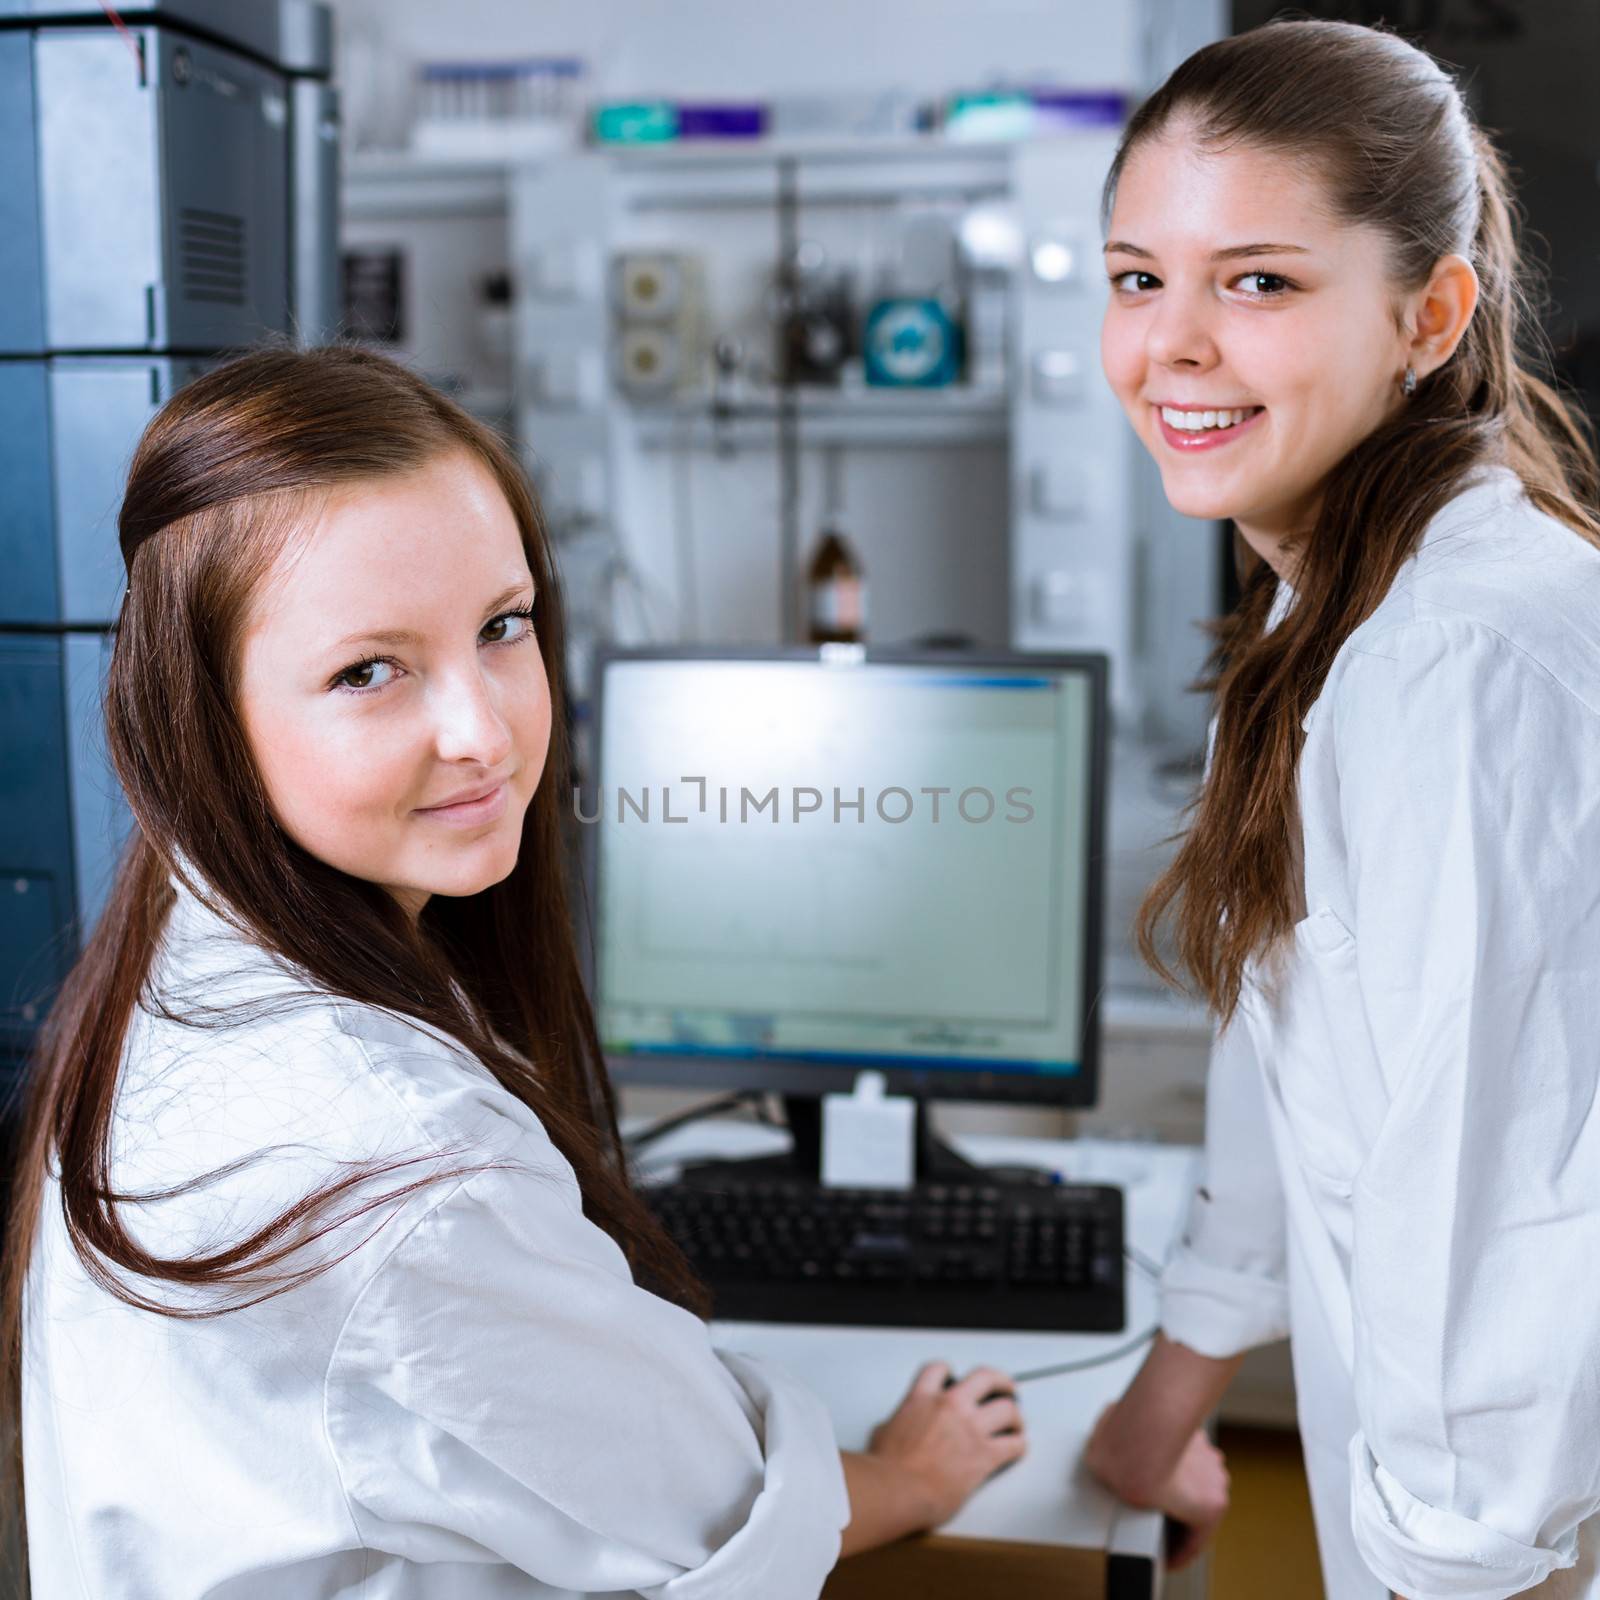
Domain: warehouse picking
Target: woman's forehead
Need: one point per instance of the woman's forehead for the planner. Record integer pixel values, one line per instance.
(1177, 184)
(412, 542)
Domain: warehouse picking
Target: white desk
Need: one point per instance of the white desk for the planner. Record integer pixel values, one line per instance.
(1045, 1499)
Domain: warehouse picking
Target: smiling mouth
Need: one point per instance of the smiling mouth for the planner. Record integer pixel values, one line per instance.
(1187, 432)
(1187, 421)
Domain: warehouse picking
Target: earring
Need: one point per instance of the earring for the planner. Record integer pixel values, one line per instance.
(1408, 384)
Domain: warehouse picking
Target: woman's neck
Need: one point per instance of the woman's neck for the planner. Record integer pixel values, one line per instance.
(1275, 545)
(411, 901)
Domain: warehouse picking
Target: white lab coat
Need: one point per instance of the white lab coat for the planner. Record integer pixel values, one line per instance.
(475, 1402)
(1403, 1141)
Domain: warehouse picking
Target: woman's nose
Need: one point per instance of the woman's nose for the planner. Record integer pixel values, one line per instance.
(468, 722)
(1180, 332)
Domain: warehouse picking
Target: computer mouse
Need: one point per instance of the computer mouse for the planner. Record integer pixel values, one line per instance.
(994, 1394)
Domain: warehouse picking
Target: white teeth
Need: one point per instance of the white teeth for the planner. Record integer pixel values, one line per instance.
(1195, 421)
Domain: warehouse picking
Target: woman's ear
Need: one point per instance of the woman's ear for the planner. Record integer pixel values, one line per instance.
(1440, 313)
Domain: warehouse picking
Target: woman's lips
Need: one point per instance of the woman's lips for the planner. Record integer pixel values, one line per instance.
(470, 813)
(1207, 438)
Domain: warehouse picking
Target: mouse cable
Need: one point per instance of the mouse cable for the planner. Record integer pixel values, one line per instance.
(1151, 1269)
(1061, 1369)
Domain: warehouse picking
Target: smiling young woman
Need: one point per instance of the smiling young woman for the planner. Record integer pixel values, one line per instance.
(1389, 893)
(324, 1273)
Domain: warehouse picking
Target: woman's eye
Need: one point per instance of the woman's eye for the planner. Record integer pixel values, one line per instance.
(1264, 285)
(1144, 280)
(366, 675)
(508, 627)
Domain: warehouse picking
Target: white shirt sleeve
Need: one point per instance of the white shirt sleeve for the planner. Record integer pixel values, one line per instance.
(502, 1391)
(1470, 799)
(1223, 1290)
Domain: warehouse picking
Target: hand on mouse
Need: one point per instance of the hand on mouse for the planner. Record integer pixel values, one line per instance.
(944, 1438)
(950, 1435)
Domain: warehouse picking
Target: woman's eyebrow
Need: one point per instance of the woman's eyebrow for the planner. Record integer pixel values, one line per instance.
(1235, 251)
(1232, 252)
(506, 596)
(398, 636)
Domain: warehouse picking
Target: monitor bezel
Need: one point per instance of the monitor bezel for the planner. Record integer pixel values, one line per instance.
(1075, 1091)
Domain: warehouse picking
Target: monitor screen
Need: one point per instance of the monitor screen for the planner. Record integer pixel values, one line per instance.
(808, 862)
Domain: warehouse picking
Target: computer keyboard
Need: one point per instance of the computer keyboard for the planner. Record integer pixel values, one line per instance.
(942, 1255)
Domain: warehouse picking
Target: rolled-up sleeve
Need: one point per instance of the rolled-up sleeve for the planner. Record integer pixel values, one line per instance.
(503, 1391)
(1223, 1289)
(1470, 798)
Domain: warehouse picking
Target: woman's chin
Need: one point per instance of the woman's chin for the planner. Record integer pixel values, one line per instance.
(469, 878)
(1204, 502)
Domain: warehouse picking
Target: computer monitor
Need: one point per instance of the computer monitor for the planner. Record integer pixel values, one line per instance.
(810, 861)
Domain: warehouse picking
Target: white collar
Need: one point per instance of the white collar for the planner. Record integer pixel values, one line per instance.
(209, 962)
(1485, 490)
(1283, 597)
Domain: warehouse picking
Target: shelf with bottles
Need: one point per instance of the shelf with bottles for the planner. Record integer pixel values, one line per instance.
(691, 174)
(844, 171)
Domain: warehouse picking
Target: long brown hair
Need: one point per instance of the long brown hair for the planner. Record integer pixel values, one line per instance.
(1386, 130)
(221, 475)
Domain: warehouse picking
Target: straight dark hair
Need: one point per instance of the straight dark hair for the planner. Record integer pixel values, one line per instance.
(1381, 130)
(224, 475)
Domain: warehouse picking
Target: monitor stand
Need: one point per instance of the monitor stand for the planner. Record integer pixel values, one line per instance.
(802, 1162)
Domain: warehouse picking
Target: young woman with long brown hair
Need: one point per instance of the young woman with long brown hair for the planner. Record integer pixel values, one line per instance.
(324, 1275)
(1389, 895)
